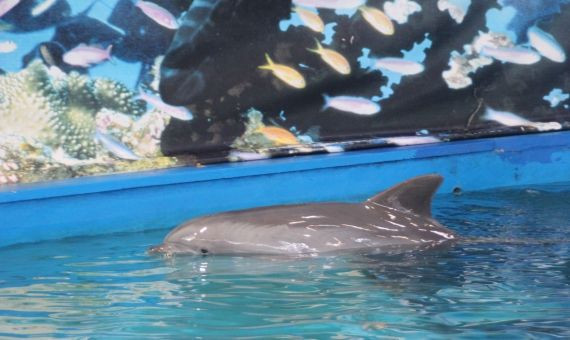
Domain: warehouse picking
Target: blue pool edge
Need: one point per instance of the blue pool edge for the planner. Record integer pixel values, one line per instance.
(164, 198)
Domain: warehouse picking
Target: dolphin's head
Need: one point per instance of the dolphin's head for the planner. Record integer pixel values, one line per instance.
(182, 240)
(169, 249)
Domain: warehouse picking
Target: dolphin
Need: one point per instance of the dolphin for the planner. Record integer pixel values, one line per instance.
(398, 218)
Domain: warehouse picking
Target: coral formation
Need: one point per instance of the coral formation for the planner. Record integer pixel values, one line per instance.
(60, 111)
(28, 103)
(26, 160)
(141, 135)
(49, 120)
(116, 96)
(462, 65)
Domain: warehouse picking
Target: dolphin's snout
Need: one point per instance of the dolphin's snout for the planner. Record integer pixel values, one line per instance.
(170, 248)
(160, 249)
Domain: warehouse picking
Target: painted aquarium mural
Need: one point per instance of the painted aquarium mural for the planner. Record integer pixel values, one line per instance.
(105, 86)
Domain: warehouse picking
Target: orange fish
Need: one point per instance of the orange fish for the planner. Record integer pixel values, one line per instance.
(288, 74)
(336, 60)
(377, 19)
(278, 135)
(310, 19)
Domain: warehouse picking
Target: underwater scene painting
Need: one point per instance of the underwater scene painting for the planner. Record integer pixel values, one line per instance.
(104, 86)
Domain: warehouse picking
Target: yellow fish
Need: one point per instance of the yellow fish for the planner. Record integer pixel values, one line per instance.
(310, 19)
(377, 19)
(278, 136)
(333, 58)
(288, 74)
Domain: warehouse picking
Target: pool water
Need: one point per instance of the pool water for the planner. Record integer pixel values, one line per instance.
(516, 285)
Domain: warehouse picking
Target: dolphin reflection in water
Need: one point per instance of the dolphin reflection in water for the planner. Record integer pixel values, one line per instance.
(396, 219)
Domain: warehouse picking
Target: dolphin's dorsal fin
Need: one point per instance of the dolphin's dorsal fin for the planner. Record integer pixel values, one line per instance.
(414, 194)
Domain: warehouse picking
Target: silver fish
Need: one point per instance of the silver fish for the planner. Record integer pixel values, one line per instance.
(7, 5)
(515, 55)
(546, 45)
(411, 140)
(87, 56)
(358, 105)
(7, 46)
(399, 65)
(178, 112)
(511, 119)
(115, 147)
(330, 4)
(158, 14)
(43, 6)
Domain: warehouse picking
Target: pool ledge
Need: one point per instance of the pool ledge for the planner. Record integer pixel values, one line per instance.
(163, 198)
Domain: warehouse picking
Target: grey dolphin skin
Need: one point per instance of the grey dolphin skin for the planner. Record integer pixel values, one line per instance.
(398, 218)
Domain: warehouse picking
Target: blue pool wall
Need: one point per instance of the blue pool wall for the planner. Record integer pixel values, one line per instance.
(163, 199)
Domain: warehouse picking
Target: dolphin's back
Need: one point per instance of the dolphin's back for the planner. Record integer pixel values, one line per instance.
(393, 218)
(302, 228)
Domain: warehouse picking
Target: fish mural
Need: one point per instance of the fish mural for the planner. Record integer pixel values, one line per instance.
(178, 112)
(278, 135)
(330, 4)
(7, 5)
(457, 8)
(7, 46)
(286, 73)
(87, 56)
(358, 105)
(511, 119)
(106, 86)
(42, 7)
(158, 14)
(310, 19)
(378, 20)
(398, 65)
(546, 45)
(33, 15)
(115, 147)
(335, 60)
(400, 10)
(515, 55)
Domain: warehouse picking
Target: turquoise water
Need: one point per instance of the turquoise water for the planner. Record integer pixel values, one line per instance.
(515, 286)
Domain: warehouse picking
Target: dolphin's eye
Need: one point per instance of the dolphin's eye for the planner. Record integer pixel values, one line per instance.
(204, 251)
